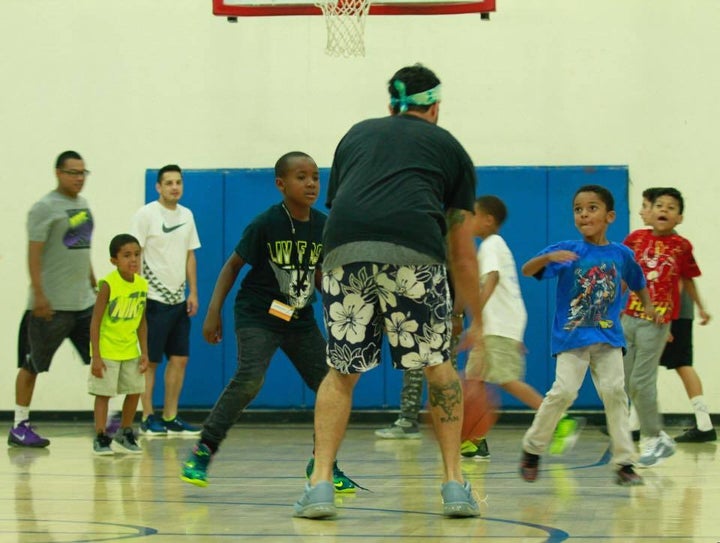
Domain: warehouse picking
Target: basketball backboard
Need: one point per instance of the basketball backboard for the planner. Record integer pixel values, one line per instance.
(269, 8)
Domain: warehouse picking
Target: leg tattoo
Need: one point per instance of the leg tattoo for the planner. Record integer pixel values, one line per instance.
(447, 397)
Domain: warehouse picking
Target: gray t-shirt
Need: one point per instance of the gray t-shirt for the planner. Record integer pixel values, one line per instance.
(65, 226)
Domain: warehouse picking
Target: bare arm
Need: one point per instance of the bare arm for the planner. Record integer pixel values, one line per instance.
(142, 339)
(97, 367)
(318, 279)
(490, 281)
(464, 269)
(537, 263)
(42, 308)
(191, 276)
(648, 306)
(212, 327)
(93, 280)
(691, 289)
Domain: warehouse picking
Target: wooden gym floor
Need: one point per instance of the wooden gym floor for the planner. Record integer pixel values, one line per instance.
(64, 493)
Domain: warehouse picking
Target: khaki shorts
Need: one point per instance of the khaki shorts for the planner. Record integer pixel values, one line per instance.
(500, 361)
(119, 378)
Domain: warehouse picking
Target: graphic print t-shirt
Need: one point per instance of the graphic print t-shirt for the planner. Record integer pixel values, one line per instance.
(589, 298)
(282, 268)
(65, 226)
(120, 322)
(665, 261)
(166, 236)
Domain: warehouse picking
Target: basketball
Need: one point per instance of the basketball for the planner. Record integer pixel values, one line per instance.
(479, 409)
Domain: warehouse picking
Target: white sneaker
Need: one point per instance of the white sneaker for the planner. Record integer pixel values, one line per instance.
(400, 429)
(655, 450)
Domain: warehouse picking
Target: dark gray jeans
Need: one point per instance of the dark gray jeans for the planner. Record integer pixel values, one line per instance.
(256, 346)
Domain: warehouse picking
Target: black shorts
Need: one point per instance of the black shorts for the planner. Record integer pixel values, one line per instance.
(168, 330)
(39, 339)
(679, 352)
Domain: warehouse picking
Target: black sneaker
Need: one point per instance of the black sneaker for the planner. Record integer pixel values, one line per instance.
(529, 466)
(101, 445)
(693, 435)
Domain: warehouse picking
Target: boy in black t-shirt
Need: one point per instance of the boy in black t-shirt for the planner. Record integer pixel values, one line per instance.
(283, 246)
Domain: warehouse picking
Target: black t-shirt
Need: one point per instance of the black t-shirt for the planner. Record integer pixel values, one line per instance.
(392, 180)
(279, 271)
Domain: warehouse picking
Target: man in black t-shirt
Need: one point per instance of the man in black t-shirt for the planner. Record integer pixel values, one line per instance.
(400, 186)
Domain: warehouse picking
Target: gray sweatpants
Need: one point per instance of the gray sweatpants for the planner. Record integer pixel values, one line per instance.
(645, 344)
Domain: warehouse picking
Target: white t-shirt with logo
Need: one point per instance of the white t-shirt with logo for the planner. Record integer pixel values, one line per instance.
(166, 236)
(504, 313)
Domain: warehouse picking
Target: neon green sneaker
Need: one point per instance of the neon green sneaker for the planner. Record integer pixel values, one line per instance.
(342, 483)
(566, 434)
(468, 449)
(194, 470)
(477, 450)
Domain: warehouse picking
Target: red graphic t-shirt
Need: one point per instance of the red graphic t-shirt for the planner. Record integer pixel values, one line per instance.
(665, 261)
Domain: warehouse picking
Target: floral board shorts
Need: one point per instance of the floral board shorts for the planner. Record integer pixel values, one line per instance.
(411, 305)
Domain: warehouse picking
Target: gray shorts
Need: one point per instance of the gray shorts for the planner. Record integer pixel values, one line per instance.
(501, 360)
(120, 377)
(409, 304)
(39, 339)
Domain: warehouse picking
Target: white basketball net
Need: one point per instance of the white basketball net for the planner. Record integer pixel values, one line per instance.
(345, 22)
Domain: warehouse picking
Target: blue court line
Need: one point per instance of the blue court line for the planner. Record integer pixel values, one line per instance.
(140, 531)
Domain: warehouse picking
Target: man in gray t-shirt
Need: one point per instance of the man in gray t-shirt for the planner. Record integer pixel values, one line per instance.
(62, 283)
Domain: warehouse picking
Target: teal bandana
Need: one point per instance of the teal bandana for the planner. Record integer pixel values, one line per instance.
(424, 98)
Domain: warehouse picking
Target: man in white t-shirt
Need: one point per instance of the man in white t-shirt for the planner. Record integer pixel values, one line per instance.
(166, 231)
(502, 358)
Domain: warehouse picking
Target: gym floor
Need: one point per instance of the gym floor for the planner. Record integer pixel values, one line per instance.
(65, 493)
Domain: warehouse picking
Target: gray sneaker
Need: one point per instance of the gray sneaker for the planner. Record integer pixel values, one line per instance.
(400, 429)
(101, 445)
(655, 450)
(317, 502)
(458, 500)
(124, 442)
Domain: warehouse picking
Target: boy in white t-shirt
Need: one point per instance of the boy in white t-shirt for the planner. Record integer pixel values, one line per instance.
(501, 360)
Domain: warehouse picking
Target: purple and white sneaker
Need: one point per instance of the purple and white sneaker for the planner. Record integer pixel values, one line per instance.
(113, 423)
(23, 435)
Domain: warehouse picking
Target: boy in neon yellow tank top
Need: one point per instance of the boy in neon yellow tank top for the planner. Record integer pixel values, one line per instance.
(118, 338)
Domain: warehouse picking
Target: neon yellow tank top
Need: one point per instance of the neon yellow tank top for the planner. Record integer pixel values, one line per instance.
(120, 322)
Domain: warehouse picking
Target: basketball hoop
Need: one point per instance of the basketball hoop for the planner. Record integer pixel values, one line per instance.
(345, 19)
(345, 23)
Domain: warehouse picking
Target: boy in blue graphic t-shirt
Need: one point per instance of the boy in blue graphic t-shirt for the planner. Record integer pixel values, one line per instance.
(586, 330)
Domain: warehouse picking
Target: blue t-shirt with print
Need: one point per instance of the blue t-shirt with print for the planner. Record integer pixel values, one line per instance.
(589, 296)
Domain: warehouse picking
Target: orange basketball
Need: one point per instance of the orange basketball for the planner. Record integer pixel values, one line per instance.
(479, 409)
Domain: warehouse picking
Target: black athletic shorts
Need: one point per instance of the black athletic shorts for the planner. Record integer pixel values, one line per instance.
(39, 339)
(168, 330)
(679, 352)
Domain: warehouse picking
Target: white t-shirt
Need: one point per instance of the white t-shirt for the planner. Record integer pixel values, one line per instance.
(504, 313)
(166, 236)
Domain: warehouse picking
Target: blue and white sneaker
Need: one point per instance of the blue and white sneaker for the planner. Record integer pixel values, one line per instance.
(152, 426)
(459, 500)
(178, 426)
(655, 450)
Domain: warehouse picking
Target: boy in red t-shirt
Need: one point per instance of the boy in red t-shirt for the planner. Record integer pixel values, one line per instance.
(666, 259)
